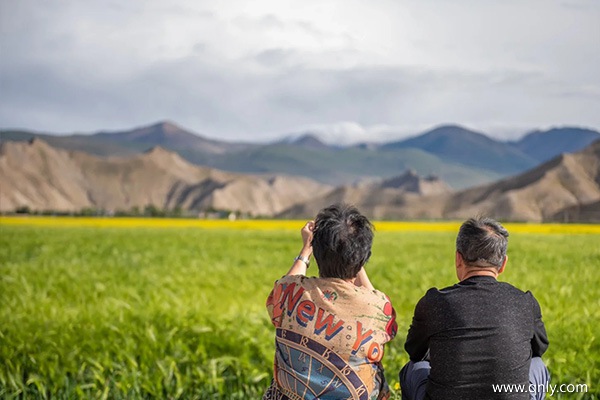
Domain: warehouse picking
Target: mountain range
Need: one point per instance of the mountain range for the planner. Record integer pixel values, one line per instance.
(59, 173)
(565, 189)
(460, 157)
(40, 177)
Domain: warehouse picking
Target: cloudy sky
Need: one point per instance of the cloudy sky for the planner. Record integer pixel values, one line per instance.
(260, 69)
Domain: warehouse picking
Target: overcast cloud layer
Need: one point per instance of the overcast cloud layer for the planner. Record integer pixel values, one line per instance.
(354, 70)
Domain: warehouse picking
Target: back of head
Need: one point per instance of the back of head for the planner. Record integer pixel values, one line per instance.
(342, 240)
(482, 242)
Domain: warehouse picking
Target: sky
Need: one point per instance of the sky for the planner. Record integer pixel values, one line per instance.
(257, 70)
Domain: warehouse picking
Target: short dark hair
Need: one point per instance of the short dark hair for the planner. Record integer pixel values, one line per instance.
(342, 241)
(482, 242)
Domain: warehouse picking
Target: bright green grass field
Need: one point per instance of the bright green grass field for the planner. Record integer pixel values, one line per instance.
(179, 313)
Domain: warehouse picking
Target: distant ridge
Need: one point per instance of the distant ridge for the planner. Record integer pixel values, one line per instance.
(460, 157)
(544, 145)
(170, 136)
(308, 140)
(411, 182)
(566, 188)
(373, 199)
(40, 177)
(541, 194)
(564, 181)
(457, 144)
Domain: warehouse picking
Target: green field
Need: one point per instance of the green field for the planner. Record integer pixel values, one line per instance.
(179, 313)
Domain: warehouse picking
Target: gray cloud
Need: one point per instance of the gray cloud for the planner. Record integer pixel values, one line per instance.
(274, 57)
(84, 67)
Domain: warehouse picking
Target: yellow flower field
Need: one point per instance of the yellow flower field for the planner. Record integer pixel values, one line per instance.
(97, 308)
(382, 226)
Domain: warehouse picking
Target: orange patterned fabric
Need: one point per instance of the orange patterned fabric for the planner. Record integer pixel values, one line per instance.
(330, 339)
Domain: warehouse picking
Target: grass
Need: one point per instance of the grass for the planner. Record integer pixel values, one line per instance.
(146, 310)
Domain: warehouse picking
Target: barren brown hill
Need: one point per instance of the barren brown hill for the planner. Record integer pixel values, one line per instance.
(411, 182)
(38, 176)
(569, 180)
(589, 212)
(377, 200)
(565, 181)
(565, 188)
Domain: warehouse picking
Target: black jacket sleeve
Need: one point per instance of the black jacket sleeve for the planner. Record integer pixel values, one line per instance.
(417, 341)
(539, 342)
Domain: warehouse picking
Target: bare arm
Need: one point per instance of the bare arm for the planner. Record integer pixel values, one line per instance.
(299, 267)
(362, 279)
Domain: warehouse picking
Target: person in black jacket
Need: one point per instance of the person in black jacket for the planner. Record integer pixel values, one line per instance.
(478, 339)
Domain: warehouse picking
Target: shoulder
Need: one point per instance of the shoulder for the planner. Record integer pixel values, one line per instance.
(515, 291)
(435, 297)
(432, 296)
(532, 299)
(290, 279)
(435, 293)
(307, 283)
(524, 296)
(377, 294)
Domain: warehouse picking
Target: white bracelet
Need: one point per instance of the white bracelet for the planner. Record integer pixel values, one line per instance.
(305, 260)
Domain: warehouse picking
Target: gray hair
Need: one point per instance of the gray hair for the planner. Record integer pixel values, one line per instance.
(482, 242)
